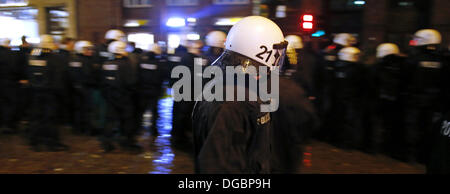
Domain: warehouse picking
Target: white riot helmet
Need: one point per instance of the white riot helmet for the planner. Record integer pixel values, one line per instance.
(216, 39)
(155, 48)
(5, 42)
(386, 49)
(258, 38)
(295, 42)
(118, 47)
(116, 35)
(427, 37)
(80, 46)
(344, 39)
(349, 54)
(47, 42)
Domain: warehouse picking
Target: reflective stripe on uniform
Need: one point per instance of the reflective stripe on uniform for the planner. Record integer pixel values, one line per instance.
(75, 64)
(39, 63)
(174, 59)
(430, 64)
(149, 66)
(110, 67)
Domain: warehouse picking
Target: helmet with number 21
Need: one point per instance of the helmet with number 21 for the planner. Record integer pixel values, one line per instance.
(259, 39)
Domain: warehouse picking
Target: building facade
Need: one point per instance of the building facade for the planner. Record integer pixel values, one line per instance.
(31, 18)
(169, 21)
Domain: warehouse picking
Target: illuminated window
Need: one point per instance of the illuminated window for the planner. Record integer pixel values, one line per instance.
(58, 21)
(142, 40)
(181, 2)
(23, 21)
(8, 3)
(281, 11)
(137, 3)
(231, 2)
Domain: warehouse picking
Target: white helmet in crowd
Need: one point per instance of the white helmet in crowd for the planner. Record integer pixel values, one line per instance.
(349, 54)
(5, 42)
(216, 39)
(427, 37)
(80, 46)
(195, 47)
(295, 42)
(47, 42)
(155, 48)
(258, 38)
(114, 34)
(118, 47)
(344, 39)
(386, 49)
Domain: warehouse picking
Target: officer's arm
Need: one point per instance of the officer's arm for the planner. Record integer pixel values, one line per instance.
(218, 154)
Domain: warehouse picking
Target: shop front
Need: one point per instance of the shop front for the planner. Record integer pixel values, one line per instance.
(31, 18)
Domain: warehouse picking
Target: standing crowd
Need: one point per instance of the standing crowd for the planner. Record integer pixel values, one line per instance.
(395, 106)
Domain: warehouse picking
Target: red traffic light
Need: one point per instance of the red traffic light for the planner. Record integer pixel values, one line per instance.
(308, 18)
(307, 25)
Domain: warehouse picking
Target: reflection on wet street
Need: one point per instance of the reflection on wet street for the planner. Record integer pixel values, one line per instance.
(161, 157)
(163, 163)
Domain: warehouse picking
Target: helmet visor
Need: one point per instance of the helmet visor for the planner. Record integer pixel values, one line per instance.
(280, 53)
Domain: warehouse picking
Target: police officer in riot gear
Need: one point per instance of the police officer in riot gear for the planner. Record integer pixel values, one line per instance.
(118, 81)
(81, 80)
(182, 122)
(215, 43)
(150, 78)
(427, 89)
(110, 36)
(390, 79)
(65, 107)
(439, 157)
(235, 136)
(44, 75)
(301, 64)
(347, 95)
(101, 55)
(324, 80)
(8, 87)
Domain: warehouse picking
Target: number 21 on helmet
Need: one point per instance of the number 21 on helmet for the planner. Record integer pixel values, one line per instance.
(259, 39)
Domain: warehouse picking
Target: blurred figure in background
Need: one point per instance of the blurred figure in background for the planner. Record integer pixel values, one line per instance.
(149, 88)
(102, 55)
(8, 88)
(301, 65)
(44, 75)
(81, 81)
(65, 107)
(117, 84)
(294, 123)
(347, 93)
(427, 89)
(439, 157)
(182, 123)
(390, 83)
(215, 43)
(175, 58)
(324, 82)
(23, 99)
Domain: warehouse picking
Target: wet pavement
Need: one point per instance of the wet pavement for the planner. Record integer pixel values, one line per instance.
(161, 157)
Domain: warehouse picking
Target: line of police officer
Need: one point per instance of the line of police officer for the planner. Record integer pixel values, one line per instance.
(388, 107)
(96, 90)
(397, 97)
